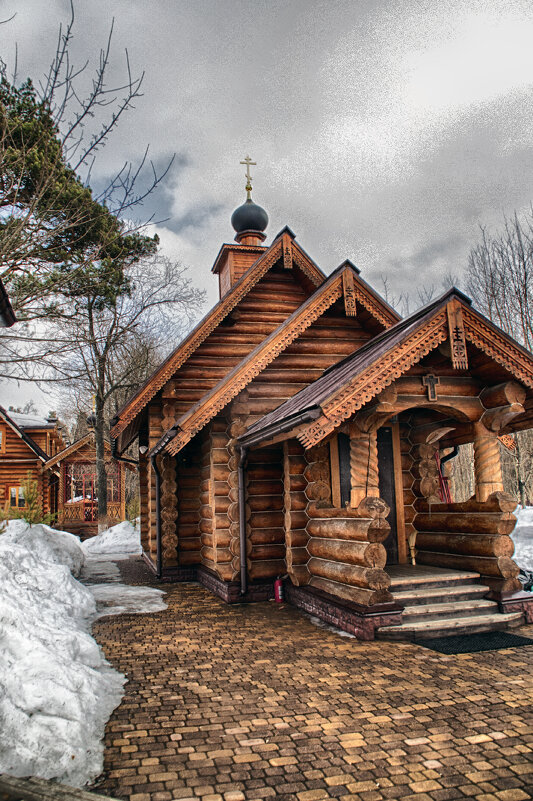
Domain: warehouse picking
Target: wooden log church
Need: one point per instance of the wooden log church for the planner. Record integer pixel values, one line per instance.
(298, 432)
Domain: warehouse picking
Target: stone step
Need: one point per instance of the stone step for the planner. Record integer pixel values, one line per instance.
(444, 593)
(422, 580)
(448, 609)
(443, 627)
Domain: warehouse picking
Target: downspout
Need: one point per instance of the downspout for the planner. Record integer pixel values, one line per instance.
(453, 453)
(159, 560)
(242, 520)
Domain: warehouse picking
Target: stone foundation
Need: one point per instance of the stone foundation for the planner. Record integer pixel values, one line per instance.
(361, 621)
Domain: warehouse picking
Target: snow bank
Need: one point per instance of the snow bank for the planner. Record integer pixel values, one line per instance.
(45, 543)
(56, 689)
(522, 537)
(124, 538)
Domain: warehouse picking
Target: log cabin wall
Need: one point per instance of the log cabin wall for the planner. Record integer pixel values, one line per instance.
(207, 552)
(265, 516)
(189, 478)
(221, 471)
(472, 536)
(295, 512)
(16, 462)
(147, 529)
(335, 550)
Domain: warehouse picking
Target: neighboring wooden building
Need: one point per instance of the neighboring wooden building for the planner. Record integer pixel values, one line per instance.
(26, 443)
(77, 497)
(298, 431)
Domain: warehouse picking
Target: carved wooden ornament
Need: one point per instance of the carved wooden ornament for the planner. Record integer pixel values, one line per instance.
(348, 289)
(457, 336)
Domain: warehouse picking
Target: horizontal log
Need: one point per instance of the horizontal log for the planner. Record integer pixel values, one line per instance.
(190, 544)
(261, 503)
(503, 394)
(258, 553)
(359, 595)
(449, 385)
(299, 556)
(265, 488)
(484, 565)
(189, 557)
(206, 511)
(374, 578)
(222, 504)
(501, 585)
(298, 519)
(497, 502)
(474, 522)
(225, 571)
(297, 501)
(272, 389)
(468, 544)
(266, 570)
(221, 538)
(470, 408)
(265, 472)
(300, 575)
(189, 518)
(264, 536)
(367, 554)
(355, 529)
(296, 538)
(188, 530)
(297, 483)
(220, 456)
(274, 519)
(220, 472)
(205, 526)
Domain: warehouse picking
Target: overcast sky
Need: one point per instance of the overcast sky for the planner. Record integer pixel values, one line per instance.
(384, 132)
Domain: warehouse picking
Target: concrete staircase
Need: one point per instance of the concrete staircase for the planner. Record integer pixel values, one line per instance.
(439, 603)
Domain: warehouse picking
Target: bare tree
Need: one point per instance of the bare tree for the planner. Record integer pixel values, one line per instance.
(113, 347)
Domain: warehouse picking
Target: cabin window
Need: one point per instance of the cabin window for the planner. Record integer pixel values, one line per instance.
(340, 470)
(16, 498)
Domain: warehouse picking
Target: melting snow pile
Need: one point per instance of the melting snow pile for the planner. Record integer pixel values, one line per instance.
(124, 538)
(56, 689)
(522, 537)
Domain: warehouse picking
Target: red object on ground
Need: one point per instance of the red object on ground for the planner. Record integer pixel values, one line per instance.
(278, 590)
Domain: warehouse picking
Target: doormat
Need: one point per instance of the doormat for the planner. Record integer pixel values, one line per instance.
(472, 643)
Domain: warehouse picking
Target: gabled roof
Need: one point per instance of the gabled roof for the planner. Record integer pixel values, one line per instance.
(284, 248)
(350, 384)
(70, 449)
(243, 373)
(19, 431)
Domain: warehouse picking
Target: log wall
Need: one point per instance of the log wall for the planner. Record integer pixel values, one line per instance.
(188, 472)
(471, 536)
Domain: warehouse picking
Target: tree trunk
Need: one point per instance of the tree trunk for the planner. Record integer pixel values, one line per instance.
(101, 474)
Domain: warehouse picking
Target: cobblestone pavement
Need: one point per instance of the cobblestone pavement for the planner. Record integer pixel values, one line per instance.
(257, 702)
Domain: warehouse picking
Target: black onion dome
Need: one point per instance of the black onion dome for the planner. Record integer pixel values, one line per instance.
(249, 217)
(91, 420)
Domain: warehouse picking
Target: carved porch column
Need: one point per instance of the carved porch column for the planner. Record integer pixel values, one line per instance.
(363, 465)
(487, 463)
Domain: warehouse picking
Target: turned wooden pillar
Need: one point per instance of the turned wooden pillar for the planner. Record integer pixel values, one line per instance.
(363, 465)
(487, 463)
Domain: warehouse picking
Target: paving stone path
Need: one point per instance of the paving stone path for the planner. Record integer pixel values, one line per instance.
(232, 703)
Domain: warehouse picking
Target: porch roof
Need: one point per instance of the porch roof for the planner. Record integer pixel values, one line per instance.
(309, 403)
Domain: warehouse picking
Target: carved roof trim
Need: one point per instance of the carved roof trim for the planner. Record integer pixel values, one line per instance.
(70, 449)
(189, 424)
(349, 385)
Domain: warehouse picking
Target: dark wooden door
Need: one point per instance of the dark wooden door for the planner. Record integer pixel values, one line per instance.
(387, 490)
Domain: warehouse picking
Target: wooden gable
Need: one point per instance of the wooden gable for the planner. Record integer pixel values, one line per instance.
(271, 289)
(319, 333)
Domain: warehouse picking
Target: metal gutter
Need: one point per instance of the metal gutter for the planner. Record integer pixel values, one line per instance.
(159, 561)
(307, 416)
(242, 520)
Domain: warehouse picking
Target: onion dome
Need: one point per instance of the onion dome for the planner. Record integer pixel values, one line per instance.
(91, 420)
(249, 217)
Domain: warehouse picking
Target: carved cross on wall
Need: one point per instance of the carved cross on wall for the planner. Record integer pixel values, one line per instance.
(431, 382)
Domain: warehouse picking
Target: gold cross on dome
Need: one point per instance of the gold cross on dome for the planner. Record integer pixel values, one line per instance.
(249, 163)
